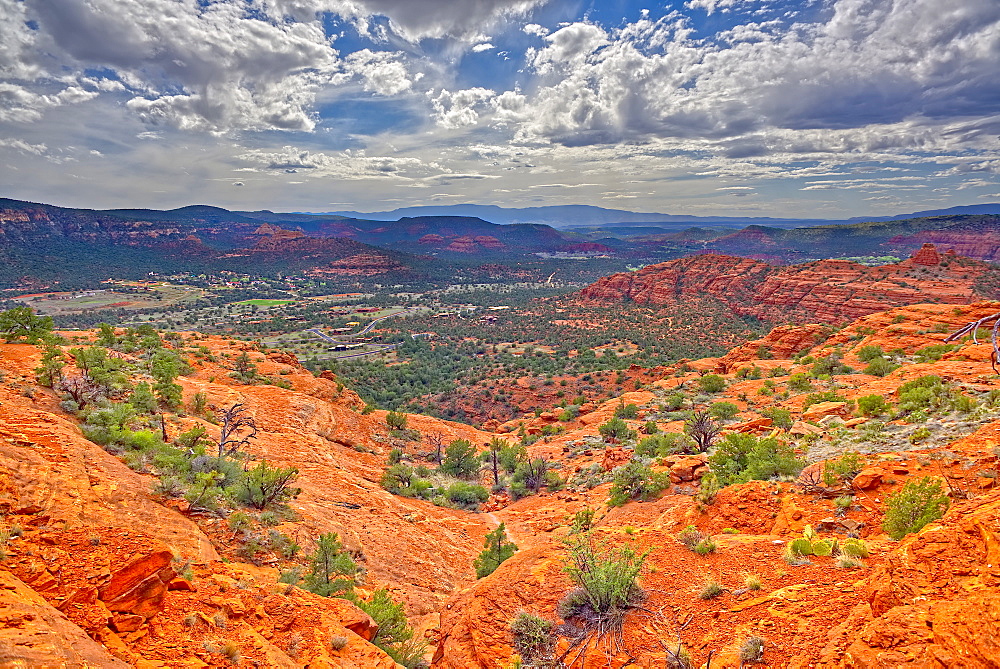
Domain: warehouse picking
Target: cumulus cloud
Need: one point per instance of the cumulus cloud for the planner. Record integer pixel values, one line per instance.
(381, 72)
(867, 66)
(415, 20)
(485, 46)
(457, 109)
(342, 165)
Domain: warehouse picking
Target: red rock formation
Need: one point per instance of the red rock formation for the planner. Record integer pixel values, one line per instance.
(826, 290)
(926, 255)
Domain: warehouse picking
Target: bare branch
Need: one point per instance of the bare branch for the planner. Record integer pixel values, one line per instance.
(973, 328)
(238, 428)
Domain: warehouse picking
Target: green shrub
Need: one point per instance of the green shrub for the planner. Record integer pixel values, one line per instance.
(606, 579)
(618, 429)
(630, 411)
(496, 549)
(872, 405)
(824, 396)
(917, 504)
(467, 495)
(690, 537)
(662, 444)
(711, 589)
(933, 353)
(583, 520)
(264, 486)
(779, 417)
(844, 468)
(831, 365)
(711, 383)
(869, 353)
(920, 434)
(460, 459)
(650, 427)
(723, 410)
(881, 367)
(744, 457)
(533, 639)
(396, 420)
(705, 546)
(799, 382)
(390, 618)
(635, 480)
(331, 569)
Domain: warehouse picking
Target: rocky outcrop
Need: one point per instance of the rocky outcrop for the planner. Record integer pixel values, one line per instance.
(829, 291)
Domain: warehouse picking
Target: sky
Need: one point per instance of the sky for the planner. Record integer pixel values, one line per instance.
(792, 108)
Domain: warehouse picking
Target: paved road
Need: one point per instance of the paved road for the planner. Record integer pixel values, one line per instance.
(382, 347)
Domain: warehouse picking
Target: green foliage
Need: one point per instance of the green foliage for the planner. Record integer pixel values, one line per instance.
(663, 444)
(49, 372)
(744, 457)
(143, 399)
(635, 480)
(711, 383)
(460, 459)
(779, 417)
(881, 367)
(531, 473)
(854, 548)
(607, 579)
(467, 495)
(708, 488)
(831, 365)
(264, 486)
(390, 618)
(824, 396)
(873, 405)
(842, 469)
(244, 370)
(331, 569)
(630, 411)
(583, 520)
(723, 410)
(799, 382)
(21, 324)
(869, 353)
(616, 428)
(934, 352)
(496, 549)
(705, 547)
(396, 420)
(917, 504)
(533, 639)
(711, 589)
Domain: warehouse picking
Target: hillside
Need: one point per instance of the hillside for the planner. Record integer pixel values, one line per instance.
(104, 564)
(828, 291)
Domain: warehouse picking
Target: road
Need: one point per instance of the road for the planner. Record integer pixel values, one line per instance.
(382, 347)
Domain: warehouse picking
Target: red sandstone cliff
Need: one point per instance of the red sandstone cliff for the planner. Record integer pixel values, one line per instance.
(824, 290)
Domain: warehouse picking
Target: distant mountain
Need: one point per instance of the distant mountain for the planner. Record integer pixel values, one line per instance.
(575, 216)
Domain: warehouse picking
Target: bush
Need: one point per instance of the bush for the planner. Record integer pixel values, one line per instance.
(872, 405)
(630, 411)
(752, 650)
(744, 457)
(618, 429)
(703, 429)
(607, 580)
(799, 382)
(532, 474)
(331, 569)
(711, 589)
(779, 417)
(635, 480)
(690, 537)
(723, 410)
(662, 444)
(496, 549)
(711, 383)
(460, 459)
(264, 485)
(869, 353)
(705, 546)
(844, 468)
(825, 396)
(913, 507)
(881, 367)
(831, 365)
(396, 420)
(533, 639)
(467, 494)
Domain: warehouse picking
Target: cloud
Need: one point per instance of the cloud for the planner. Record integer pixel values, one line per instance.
(414, 20)
(342, 165)
(460, 108)
(485, 46)
(381, 72)
(866, 67)
(711, 5)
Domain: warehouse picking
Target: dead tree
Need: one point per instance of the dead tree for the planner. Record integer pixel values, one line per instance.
(973, 329)
(703, 429)
(238, 428)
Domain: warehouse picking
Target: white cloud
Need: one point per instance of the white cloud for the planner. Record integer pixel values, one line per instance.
(711, 5)
(485, 46)
(457, 109)
(342, 165)
(381, 72)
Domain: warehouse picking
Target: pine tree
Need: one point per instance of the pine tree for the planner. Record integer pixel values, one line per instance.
(497, 548)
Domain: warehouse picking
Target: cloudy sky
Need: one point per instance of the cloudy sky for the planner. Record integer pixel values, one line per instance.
(813, 108)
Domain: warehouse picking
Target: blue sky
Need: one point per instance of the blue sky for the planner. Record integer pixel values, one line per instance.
(812, 108)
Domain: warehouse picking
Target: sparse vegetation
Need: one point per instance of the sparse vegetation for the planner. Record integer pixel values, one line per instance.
(917, 504)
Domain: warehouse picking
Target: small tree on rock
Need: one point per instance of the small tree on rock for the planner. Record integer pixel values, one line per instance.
(496, 549)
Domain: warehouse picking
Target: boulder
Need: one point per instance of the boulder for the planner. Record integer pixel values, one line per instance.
(867, 479)
(139, 587)
(822, 409)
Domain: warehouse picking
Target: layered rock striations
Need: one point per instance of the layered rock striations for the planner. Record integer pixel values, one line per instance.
(829, 291)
